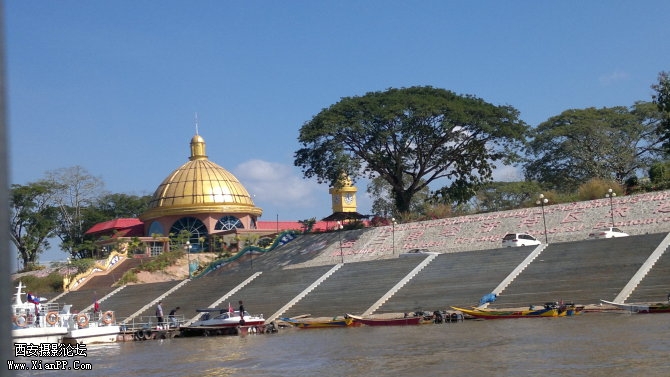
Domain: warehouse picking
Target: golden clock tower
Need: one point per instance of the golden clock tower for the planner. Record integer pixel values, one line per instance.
(344, 198)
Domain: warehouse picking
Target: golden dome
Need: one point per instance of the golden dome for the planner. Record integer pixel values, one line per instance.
(200, 186)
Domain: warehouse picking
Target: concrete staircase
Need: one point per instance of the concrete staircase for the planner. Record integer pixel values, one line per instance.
(643, 271)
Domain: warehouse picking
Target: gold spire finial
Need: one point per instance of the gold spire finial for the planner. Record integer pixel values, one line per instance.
(196, 122)
(197, 145)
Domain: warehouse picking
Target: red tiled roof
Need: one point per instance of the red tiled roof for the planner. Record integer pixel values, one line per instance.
(287, 225)
(274, 225)
(126, 225)
(134, 227)
(135, 231)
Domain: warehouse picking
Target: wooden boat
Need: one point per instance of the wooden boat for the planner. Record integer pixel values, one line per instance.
(571, 310)
(316, 324)
(641, 307)
(548, 310)
(386, 321)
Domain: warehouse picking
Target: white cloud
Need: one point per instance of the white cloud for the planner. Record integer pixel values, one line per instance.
(277, 184)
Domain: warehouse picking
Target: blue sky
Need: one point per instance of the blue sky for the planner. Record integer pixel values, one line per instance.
(114, 86)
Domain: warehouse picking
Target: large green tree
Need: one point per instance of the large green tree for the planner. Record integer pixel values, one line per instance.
(33, 219)
(65, 204)
(430, 135)
(580, 144)
(108, 206)
(662, 100)
(383, 205)
(111, 206)
(502, 196)
(78, 190)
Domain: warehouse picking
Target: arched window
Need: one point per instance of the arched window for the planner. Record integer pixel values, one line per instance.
(228, 223)
(156, 228)
(198, 232)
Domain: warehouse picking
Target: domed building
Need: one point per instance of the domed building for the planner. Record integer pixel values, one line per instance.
(200, 199)
(197, 205)
(202, 207)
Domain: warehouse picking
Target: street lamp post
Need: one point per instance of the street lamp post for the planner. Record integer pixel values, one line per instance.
(339, 229)
(393, 233)
(187, 248)
(542, 201)
(611, 194)
(68, 273)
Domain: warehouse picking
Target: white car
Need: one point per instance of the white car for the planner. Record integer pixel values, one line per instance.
(413, 252)
(519, 239)
(609, 232)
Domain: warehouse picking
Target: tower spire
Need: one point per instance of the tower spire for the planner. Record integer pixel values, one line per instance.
(196, 123)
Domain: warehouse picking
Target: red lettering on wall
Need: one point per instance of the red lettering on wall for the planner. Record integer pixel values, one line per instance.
(487, 227)
(620, 211)
(415, 235)
(572, 217)
(450, 231)
(531, 221)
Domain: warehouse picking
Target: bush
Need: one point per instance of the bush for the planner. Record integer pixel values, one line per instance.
(128, 277)
(161, 262)
(659, 172)
(596, 188)
(40, 286)
(82, 265)
(32, 267)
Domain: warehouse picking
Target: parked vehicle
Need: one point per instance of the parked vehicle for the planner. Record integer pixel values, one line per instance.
(609, 232)
(519, 239)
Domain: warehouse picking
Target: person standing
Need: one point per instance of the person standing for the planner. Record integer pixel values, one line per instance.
(171, 315)
(37, 315)
(241, 311)
(159, 312)
(96, 308)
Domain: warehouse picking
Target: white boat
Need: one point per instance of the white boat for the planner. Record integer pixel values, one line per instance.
(226, 318)
(58, 325)
(660, 307)
(36, 322)
(85, 328)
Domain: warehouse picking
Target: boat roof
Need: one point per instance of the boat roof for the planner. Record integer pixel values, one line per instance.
(211, 310)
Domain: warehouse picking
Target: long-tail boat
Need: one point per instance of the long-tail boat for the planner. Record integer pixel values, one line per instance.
(403, 321)
(319, 324)
(548, 310)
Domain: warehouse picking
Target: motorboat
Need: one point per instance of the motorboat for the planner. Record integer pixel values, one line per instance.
(36, 321)
(226, 318)
(659, 307)
(226, 322)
